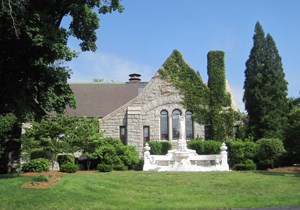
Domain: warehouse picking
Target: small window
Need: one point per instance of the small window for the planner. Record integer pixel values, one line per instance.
(146, 133)
(123, 134)
(207, 132)
(164, 125)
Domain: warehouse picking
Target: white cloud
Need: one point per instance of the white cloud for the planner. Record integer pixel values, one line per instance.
(106, 66)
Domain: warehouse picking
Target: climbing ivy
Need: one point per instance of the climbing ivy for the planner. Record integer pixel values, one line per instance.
(221, 114)
(209, 104)
(189, 83)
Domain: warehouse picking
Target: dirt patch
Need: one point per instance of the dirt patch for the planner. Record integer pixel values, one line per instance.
(289, 168)
(44, 173)
(52, 180)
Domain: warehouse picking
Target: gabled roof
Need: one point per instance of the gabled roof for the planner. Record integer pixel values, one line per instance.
(100, 99)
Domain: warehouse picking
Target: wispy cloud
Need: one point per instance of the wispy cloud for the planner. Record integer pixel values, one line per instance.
(109, 67)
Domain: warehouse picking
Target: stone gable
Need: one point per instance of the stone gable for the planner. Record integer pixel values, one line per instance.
(145, 110)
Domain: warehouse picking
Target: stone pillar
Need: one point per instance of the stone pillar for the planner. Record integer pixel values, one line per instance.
(135, 128)
(224, 163)
(170, 127)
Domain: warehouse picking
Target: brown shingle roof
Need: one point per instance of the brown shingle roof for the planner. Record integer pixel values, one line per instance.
(98, 99)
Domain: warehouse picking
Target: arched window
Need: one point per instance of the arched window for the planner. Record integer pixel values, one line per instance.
(175, 123)
(189, 125)
(164, 125)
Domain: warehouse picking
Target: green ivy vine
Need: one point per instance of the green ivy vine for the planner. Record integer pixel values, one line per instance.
(210, 104)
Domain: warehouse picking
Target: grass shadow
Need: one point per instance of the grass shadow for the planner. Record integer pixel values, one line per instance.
(278, 173)
(9, 176)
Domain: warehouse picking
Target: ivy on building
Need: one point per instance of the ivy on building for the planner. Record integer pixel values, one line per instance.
(210, 104)
(221, 113)
(189, 83)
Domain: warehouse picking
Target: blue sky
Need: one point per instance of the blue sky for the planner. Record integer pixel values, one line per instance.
(141, 38)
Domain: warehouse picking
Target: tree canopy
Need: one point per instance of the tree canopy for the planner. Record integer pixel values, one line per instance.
(33, 48)
(265, 88)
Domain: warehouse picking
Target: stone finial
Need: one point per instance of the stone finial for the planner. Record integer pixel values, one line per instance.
(147, 147)
(223, 147)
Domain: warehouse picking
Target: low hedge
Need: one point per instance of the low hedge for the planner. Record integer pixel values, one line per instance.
(241, 151)
(159, 147)
(205, 147)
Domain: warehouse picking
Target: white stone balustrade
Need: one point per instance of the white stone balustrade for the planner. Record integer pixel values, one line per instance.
(184, 159)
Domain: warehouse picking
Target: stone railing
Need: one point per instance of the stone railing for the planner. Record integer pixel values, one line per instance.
(186, 160)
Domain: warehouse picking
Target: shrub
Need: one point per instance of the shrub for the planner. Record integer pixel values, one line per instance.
(247, 165)
(64, 159)
(205, 147)
(40, 178)
(165, 147)
(269, 152)
(120, 167)
(139, 166)
(159, 147)
(241, 151)
(69, 168)
(36, 165)
(128, 156)
(102, 167)
(113, 152)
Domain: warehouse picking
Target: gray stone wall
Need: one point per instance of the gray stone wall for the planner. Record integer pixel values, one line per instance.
(145, 110)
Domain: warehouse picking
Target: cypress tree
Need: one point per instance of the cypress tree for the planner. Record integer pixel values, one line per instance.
(265, 95)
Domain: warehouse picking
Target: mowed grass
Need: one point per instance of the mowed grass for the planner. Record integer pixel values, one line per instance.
(152, 190)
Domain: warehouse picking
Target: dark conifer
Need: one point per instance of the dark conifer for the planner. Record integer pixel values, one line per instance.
(265, 95)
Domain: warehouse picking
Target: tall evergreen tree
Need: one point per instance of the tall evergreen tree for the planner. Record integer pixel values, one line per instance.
(265, 95)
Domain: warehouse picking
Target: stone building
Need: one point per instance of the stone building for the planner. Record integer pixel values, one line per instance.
(135, 111)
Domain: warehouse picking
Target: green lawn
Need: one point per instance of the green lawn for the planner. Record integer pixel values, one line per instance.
(152, 190)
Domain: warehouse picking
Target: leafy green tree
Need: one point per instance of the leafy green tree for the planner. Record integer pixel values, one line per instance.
(7, 122)
(33, 47)
(265, 95)
(9, 145)
(292, 136)
(85, 137)
(62, 134)
(49, 135)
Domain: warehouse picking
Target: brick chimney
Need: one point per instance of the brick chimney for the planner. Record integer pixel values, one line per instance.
(134, 78)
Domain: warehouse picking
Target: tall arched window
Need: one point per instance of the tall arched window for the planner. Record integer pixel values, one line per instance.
(175, 123)
(164, 125)
(189, 125)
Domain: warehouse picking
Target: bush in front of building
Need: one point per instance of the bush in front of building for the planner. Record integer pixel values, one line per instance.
(241, 151)
(159, 147)
(64, 159)
(120, 167)
(68, 168)
(269, 153)
(246, 166)
(202, 147)
(36, 165)
(102, 167)
(112, 152)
